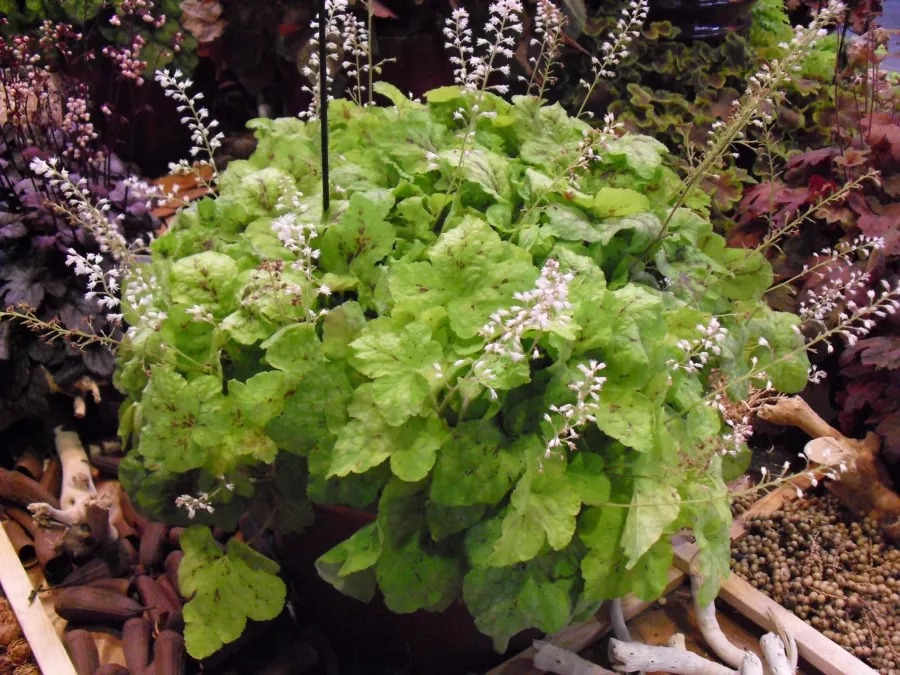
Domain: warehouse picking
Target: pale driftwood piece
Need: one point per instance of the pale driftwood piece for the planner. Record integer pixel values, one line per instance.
(630, 656)
(48, 649)
(751, 665)
(77, 484)
(776, 657)
(563, 662)
(710, 630)
(861, 487)
(677, 641)
(790, 644)
(620, 630)
(582, 635)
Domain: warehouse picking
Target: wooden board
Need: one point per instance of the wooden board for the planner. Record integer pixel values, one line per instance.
(43, 639)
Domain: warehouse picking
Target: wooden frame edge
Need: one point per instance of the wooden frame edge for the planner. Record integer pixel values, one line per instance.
(48, 649)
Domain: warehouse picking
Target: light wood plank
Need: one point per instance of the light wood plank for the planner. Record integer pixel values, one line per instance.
(821, 653)
(48, 649)
(580, 636)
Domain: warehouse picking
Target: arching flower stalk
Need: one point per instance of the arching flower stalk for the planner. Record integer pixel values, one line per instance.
(204, 138)
(549, 24)
(616, 47)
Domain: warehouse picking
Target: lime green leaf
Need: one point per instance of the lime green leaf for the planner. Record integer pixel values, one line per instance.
(207, 279)
(475, 466)
(361, 239)
(314, 409)
(261, 397)
(628, 416)
(349, 565)
(642, 154)
(572, 224)
(542, 510)
(225, 589)
(616, 202)
(713, 541)
(443, 94)
(342, 325)
(487, 170)
(412, 577)
(446, 520)
(294, 349)
(416, 450)
(368, 440)
(506, 601)
(654, 507)
(398, 359)
(472, 273)
(585, 473)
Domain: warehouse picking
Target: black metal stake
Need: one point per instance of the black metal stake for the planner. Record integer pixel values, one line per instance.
(323, 103)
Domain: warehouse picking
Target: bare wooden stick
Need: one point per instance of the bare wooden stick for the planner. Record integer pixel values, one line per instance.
(776, 657)
(630, 656)
(563, 662)
(620, 630)
(710, 630)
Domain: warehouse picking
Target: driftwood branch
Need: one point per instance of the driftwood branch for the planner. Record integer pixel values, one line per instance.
(710, 630)
(87, 514)
(563, 662)
(629, 656)
(861, 485)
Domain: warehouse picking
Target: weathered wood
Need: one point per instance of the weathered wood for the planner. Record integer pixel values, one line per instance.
(582, 635)
(48, 649)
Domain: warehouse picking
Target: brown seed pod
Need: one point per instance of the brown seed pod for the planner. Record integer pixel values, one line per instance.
(132, 517)
(156, 602)
(84, 603)
(22, 490)
(51, 480)
(30, 464)
(136, 644)
(153, 541)
(175, 537)
(120, 586)
(83, 651)
(168, 653)
(24, 519)
(53, 561)
(170, 592)
(92, 570)
(21, 542)
(111, 669)
(173, 561)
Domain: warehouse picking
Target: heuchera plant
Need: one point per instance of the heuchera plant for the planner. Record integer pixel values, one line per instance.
(44, 112)
(509, 336)
(864, 143)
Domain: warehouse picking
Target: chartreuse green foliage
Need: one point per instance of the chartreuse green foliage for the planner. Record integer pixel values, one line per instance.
(226, 588)
(377, 405)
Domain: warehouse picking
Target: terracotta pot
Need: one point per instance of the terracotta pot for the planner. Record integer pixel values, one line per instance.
(438, 643)
(704, 19)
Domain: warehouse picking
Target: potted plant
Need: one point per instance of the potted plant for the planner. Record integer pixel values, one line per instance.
(512, 337)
